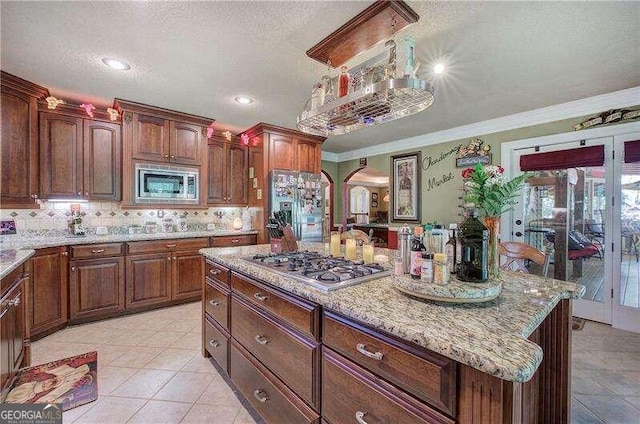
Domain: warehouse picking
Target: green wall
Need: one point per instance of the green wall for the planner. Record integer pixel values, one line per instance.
(441, 203)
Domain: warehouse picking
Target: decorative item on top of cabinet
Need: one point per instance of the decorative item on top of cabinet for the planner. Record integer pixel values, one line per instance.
(227, 179)
(47, 294)
(20, 186)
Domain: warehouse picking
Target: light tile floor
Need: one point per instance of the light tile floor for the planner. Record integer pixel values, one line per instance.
(605, 381)
(150, 370)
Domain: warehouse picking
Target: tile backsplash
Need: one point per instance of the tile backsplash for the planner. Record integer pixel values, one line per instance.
(53, 217)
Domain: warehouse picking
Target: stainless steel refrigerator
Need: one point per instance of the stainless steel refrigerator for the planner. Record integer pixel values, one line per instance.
(300, 196)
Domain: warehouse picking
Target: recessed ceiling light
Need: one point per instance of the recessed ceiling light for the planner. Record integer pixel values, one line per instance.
(244, 100)
(438, 68)
(116, 64)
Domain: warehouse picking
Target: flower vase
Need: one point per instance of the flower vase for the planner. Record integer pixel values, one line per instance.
(493, 225)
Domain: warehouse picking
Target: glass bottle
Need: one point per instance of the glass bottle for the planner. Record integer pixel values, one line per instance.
(426, 272)
(416, 257)
(437, 235)
(427, 241)
(343, 85)
(451, 248)
(474, 240)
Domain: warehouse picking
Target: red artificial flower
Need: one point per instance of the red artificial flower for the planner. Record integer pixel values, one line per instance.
(500, 170)
(467, 173)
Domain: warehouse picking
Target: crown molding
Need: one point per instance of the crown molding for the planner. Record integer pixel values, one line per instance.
(573, 109)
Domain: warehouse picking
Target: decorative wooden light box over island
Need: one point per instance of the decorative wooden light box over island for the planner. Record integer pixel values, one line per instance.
(369, 353)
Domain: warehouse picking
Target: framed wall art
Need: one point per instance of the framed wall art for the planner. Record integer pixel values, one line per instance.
(374, 197)
(405, 187)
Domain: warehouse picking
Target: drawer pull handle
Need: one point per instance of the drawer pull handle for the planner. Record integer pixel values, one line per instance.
(362, 349)
(97, 251)
(260, 395)
(214, 302)
(235, 241)
(360, 417)
(214, 343)
(262, 340)
(214, 272)
(15, 301)
(260, 297)
(171, 245)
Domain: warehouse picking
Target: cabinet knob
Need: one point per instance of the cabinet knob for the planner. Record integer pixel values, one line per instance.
(34, 196)
(79, 193)
(260, 297)
(214, 272)
(173, 157)
(360, 417)
(169, 246)
(15, 302)
(214, 343)
(169, 258)
(65, 253)
(214, 302)
(260, 396)
(98, 251)
(261, 339)
(86, 194)
(73, 269)
(165, 156)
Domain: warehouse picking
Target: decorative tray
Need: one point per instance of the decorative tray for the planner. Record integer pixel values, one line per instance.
(455, 292)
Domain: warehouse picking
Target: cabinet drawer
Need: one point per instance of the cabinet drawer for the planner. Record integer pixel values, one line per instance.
(217, 273)
(291, 357)
(428, 376)
(216, 342)
(230, 241)
(351, 394)
(302, 315)
(13, 277)
(217, 302)
(96, 250)
(157, 246)
(274, 401)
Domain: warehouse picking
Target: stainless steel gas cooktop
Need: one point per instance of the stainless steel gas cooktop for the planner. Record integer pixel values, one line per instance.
(323, 272)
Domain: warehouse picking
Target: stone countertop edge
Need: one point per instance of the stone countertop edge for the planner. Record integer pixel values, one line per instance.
(20, 242)
(490, 336)
(6, 267)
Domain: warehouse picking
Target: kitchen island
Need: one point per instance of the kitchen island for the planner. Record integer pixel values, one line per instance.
(507, 360)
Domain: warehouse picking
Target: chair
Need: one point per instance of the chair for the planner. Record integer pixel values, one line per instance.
(360, 236)
(517, 252)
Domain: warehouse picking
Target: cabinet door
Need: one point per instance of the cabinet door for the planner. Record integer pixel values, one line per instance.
(148, 280)
(102, 161)
(12, 319)
(17, 317)
(237, 181)
(217, 157)
(185, 143)
(308, 157)
(60, 156)
(19, 148)
(282, 153)
(47, 308)
(96, 287)
(188, 274)
(150, 138)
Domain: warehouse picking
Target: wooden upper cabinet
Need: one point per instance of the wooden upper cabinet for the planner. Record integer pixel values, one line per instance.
(238, 159)
(184, 143)
(282, 154)
(309, 156)
(61, 167)
(151, 138)
(102, 161)
(227, 180)
(19, 185)
(217, 165)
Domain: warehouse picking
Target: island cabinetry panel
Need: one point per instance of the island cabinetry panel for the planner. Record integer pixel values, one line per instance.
(96, 288)
(231, 241)
(47, 291)
(293, 358)
(218, 273)
(272, 399)
(228, 172)
(20, 185)
(352, 394)
(300, 314)
(216, 302)
(426, 375)
(216, 343)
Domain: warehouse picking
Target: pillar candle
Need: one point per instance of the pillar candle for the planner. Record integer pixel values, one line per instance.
(367, 253)
(334, 248)
(350, 249)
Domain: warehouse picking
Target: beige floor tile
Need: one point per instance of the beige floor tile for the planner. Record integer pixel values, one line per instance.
(200, 364)
(112, 410)
(581, 415)
(161, 412)
(633, 400)
(611, 409)
(620, 382)
(136, 357)
(77, 333)
(244, 418)
(219, 393)
(104, 335)
(605, 359)
(106, 353)
(184, 387)
(188, 341)
(586, 360)
(211, 414)
(182, 325)
(583, 382)
(131, 338)
(171, 359)
(73, 414)
(143, 384)
(161, 339)
(111, 377)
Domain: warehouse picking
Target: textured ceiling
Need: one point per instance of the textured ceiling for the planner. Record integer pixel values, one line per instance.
(503, 57)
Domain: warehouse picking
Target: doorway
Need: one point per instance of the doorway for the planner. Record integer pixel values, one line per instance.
(327, 187)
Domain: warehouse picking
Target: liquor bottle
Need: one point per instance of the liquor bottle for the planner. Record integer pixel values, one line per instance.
(343, 85)
(416, 257)
(451, 248)
(474, 240)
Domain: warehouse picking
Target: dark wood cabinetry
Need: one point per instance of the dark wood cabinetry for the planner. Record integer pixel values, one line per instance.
(231, 241)
(148, 280)
(184, 143)
(20, 185)
(187, 275)
(13, 329)
(282, 150)
(309, 155)
(102, 160)
(228, 181)
(151, 134)
(47, 291)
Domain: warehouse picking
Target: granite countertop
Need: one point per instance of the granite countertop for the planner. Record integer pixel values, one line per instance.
(491, 336)
(10, 259)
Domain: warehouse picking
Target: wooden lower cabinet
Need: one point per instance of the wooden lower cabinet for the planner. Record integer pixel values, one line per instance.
(272, 399)
(96, 288)
(216, 343)
(352, 394)
(148, 280)
(216, 302)
(47, 291)
(188, 272)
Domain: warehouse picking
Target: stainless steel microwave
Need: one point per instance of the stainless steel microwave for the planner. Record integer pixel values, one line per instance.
(167, 184)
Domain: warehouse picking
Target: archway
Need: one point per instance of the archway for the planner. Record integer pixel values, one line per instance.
(327, 185)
